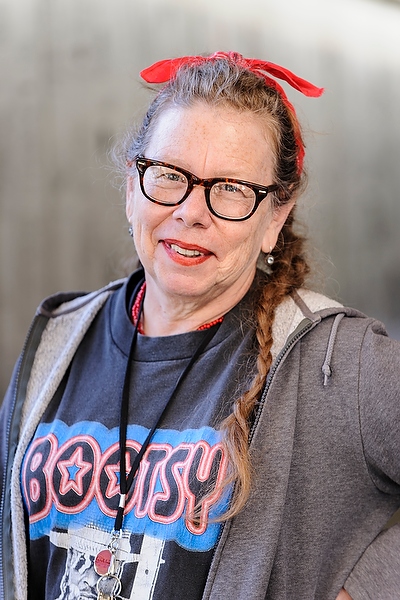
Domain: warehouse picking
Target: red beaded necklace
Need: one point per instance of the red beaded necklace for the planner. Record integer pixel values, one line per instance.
(136, 309)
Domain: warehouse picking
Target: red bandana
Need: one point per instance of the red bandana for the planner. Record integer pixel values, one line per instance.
(164, 70)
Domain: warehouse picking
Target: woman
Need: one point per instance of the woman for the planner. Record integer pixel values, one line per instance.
(205, 428)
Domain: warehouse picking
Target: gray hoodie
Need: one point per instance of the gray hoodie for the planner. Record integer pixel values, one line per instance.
(324, 447)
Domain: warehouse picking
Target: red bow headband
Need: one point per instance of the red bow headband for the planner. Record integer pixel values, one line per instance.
(164, 70)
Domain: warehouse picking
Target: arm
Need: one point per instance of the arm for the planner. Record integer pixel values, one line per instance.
(377, 573)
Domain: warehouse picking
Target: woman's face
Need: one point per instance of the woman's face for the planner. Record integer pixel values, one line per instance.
(187, 252)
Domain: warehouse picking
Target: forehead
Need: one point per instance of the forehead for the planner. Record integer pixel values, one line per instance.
(211, 138)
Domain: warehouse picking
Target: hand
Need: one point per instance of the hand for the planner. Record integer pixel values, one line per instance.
(343, 595)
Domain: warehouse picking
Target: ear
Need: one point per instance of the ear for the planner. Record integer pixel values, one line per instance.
(279, 217)
(130, 192)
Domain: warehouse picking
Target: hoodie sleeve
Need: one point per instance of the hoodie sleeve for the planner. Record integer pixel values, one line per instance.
(379, 402)
(6, 411)
(376, 576)
(377, 573)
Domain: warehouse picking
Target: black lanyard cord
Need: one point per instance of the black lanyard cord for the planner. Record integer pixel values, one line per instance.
(125, 482)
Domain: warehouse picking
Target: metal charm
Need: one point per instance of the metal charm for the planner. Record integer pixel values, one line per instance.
(102, 562)
(105, 564)
(108, 587)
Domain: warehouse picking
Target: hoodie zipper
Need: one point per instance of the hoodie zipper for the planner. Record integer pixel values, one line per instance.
(303, 327)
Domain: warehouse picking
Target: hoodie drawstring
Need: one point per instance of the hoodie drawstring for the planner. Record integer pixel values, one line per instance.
(326, 367)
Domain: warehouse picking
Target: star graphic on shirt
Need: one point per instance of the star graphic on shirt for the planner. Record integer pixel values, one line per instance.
(112, 472)
(72, 472)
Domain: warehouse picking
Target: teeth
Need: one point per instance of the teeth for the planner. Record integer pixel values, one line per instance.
(185, 252)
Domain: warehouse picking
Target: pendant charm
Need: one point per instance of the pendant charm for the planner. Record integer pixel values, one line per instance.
(102, 562)
(108, 587)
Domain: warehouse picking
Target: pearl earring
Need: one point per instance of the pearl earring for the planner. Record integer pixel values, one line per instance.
(270, 259)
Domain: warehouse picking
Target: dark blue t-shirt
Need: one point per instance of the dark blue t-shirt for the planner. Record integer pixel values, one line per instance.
(70, 476)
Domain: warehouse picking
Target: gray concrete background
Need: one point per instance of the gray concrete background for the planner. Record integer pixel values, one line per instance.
(70, 86)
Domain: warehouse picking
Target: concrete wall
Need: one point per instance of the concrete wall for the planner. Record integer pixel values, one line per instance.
(70, 85)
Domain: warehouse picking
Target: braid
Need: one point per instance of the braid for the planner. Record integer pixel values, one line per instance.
(290, 271)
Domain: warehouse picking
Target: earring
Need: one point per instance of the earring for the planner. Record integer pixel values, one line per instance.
(270, 259)
(130, 231)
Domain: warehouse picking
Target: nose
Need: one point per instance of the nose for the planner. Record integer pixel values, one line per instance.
(194, 210)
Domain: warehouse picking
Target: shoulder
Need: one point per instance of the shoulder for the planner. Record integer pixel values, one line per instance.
(67, 316)
(303, 305)
(356, 342)
(60, 325)
(63, 303)
(353, 328)
(329, 320)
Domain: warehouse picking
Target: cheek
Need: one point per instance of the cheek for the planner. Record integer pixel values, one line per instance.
(145, 218)
(243, 249)
(256, 232)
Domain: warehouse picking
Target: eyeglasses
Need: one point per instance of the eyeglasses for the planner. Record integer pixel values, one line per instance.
(229, 199)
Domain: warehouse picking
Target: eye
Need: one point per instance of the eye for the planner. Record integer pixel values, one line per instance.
(157, 176)
(230, 187)
(232, 190)
(168, 176)
(172, 176)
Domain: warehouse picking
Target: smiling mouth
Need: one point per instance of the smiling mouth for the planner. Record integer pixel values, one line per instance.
(185, 251)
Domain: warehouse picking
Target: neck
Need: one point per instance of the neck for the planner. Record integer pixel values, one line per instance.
(162, 315)
(161, 322)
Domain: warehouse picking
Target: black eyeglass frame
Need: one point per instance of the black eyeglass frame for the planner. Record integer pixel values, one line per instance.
(260, 191)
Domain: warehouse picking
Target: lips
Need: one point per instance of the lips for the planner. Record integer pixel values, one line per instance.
(185, 253)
